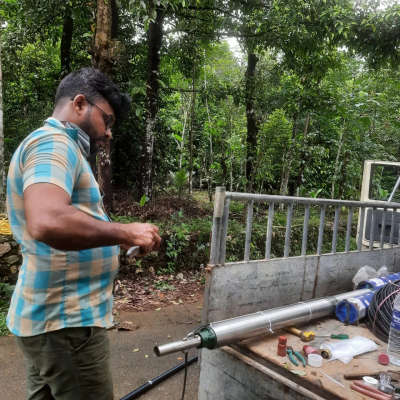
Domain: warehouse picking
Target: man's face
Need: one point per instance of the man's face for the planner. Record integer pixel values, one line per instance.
(97, 123)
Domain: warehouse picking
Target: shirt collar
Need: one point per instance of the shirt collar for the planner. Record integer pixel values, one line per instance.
(72, 132)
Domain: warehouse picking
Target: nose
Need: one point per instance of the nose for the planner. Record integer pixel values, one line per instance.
(109, 133)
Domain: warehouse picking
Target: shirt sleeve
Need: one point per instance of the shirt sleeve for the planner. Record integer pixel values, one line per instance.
(50, 159)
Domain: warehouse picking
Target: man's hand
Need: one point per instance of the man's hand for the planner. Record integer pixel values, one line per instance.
(143, 235)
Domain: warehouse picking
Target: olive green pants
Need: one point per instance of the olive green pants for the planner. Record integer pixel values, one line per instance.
(68, 364)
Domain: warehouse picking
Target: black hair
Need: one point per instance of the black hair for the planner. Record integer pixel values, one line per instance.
(94, 84)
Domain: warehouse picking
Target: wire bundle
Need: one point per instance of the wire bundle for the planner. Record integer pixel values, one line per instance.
(381, 309)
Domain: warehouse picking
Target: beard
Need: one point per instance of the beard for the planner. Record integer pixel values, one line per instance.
(87, 127)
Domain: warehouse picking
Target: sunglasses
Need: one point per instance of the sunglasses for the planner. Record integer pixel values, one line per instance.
(107, 118)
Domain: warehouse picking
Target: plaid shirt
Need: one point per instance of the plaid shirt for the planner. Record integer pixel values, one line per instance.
(57, 289)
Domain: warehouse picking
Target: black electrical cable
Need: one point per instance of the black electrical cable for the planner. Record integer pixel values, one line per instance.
(184, 379)
(155, 381)
(381, 309)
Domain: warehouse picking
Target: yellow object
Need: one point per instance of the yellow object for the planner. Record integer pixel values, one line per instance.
(305, 336)
(4, 225)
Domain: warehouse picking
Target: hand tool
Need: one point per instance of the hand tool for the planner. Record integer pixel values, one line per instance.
(133, 251)
(305, 336)
(291, 353)
(375, 374)
(369, 391)
(340, 336)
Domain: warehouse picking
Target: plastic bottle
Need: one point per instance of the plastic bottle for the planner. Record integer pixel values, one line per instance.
(393, 348)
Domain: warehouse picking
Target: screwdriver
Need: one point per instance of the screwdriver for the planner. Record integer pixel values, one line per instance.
(339, 336)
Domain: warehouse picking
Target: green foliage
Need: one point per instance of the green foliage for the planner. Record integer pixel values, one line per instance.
(143, 200)
(164, 286)
(186, 243)
(273, 141)
(180, 179)
(237, 233)
(123, 219)
(321, 111)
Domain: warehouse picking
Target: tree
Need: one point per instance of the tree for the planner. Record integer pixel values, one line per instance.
(103, 54)
(154, 40)
(2, 167)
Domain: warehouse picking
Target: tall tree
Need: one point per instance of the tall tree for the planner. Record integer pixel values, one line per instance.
(102, 59)
(154, 41)
(66, 41)
(2, 167)
(252, 126)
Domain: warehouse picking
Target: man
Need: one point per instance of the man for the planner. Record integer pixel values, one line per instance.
(62, 303)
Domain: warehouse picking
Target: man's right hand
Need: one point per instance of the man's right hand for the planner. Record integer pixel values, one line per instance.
(144, 235)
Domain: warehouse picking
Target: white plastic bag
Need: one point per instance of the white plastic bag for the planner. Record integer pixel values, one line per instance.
(345, 350)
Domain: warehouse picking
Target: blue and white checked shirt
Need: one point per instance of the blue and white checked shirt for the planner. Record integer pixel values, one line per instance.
(57, 289)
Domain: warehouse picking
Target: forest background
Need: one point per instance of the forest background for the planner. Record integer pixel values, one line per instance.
(312, 92)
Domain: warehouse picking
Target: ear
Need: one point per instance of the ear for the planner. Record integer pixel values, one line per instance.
(80, 104)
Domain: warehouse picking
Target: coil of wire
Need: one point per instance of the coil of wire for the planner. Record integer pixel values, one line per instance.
(381, 308)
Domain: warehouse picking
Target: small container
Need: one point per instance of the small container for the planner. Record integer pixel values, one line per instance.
(383, 359)
(282, 340)
(307, 349)
(314, 360)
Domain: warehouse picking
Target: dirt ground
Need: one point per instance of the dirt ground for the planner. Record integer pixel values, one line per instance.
(148, 311)
(133, 361)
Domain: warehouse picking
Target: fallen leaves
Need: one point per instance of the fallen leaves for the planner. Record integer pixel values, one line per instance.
(156, 292)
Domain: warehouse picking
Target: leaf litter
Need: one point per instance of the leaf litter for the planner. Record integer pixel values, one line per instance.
(156, 292)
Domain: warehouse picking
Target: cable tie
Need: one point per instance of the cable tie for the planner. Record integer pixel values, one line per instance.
(270, 327)
(262, 313)
(309, 308)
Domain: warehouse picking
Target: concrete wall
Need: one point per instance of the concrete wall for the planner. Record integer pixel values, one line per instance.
(227, 377)
(246, 287)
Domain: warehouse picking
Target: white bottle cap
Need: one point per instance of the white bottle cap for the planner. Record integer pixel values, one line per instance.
(314, 360)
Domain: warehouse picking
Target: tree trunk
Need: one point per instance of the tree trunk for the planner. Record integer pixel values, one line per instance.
(211, 158)
(185, 111)
(2, 169)
(342, 174)
(154, 40)
(191, 133)
(304, 154)
(287, 161)
(66, 40)
(103, 61)
(252, 129)
(337, 162)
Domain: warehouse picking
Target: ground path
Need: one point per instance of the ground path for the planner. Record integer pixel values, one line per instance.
(133, 361)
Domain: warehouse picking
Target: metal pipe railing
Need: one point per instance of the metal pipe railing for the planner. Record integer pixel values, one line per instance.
(221, 220)
(305, 200)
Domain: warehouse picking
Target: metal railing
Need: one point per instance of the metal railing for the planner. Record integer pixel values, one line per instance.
(221, 219)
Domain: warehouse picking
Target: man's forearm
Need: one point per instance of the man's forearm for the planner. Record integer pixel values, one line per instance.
(51, 219)
(76, 230)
